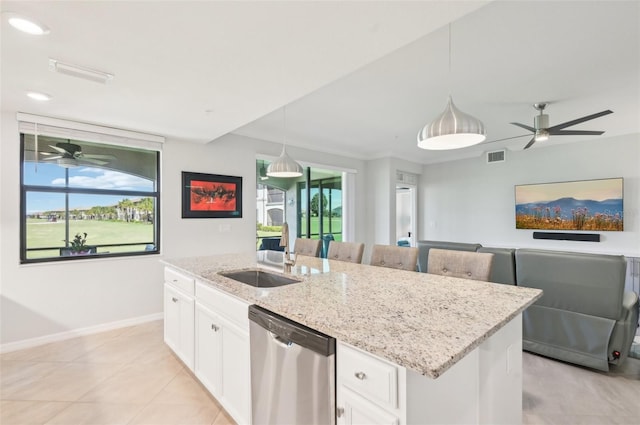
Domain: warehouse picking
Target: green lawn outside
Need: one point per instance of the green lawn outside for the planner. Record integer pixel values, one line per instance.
(42, 233)
(336, 226)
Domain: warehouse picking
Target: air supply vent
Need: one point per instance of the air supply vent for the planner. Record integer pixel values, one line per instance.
(496, 156)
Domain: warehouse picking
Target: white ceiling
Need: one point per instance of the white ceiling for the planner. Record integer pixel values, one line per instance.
(359, 78)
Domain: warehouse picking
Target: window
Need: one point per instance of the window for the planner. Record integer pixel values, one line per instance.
(104, 196)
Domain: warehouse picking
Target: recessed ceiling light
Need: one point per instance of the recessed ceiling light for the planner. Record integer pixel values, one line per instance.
(80, 71)
(43, 97)
(27, 25)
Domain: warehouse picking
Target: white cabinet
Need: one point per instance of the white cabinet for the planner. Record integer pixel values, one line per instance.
(367, 388)
(179, 308)
(484, 387)
(222, 360)
(356, 410)
(208, 366)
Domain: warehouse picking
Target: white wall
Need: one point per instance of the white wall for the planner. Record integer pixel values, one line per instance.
(39, 300)
(472, 201)
(381, 200)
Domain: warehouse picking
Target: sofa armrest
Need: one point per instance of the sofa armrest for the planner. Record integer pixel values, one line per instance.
(625, 328)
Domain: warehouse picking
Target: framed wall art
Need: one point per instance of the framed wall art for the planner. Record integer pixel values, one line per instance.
(577, 205)
(211, 196)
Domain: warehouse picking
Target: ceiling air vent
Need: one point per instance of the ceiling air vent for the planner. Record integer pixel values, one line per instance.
(496, 156)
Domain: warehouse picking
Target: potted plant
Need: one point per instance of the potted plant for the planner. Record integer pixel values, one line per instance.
(78, 245)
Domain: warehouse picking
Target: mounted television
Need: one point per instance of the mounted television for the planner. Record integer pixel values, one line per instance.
(594, 205)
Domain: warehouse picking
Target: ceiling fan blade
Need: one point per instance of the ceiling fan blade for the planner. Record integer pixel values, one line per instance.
(97, 156)
(506, 138)
(575, 133)
(579, 120)
(526, 127)
(62, 151)
(531, 142)
(52, 157)
(94, 161)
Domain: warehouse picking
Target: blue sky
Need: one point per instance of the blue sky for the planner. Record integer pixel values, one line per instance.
(89, 177)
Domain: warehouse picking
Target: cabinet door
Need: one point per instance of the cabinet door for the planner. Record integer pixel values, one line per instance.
(236, 372)
(179, 324)
(209, 350)
(355, 410)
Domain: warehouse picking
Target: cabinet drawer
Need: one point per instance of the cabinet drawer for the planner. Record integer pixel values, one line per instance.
(368, 376)
(179, 280)
(233, 309)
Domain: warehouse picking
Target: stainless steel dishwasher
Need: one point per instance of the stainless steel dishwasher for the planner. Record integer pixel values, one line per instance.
(292, 371)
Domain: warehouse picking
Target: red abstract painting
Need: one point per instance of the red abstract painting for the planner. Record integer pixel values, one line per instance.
(212, 196)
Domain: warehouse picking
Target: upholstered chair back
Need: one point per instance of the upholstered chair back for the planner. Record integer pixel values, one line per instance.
(345, 251)
(395, 257)
(462, 264)
(308, 247)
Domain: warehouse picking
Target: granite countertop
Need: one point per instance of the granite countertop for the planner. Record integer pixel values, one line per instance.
(420, 321)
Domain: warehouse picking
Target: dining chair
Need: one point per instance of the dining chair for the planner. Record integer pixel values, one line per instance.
(345, 251)
(395, 257)
(308, 247)
(462, 264)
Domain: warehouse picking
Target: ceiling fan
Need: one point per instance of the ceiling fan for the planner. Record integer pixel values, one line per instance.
(70, 155)
(541, 130)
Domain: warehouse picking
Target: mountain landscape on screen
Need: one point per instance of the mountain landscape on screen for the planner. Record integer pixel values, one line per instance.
(571, 214)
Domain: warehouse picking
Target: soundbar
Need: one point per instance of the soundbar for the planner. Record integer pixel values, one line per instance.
(583, 237)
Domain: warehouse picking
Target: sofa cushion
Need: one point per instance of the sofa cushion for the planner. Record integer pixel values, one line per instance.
(504, 264)
(590, 284)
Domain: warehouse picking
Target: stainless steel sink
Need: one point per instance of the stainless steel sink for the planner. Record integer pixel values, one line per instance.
(259, 278)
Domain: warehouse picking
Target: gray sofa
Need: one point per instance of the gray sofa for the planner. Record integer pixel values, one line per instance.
(584, 316)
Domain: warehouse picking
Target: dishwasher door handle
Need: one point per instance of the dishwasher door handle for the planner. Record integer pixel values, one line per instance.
(281, 341)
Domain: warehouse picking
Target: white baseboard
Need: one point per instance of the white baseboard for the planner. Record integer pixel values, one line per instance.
(61, 336)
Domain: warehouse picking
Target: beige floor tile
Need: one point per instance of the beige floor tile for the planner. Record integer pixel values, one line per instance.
(135, 383)
(96, 414)
(120, 350)
(223, 418)
(67, 383)
(174, 414)
(156, 327)
(29, 412)
(16, 373)
(184, 389)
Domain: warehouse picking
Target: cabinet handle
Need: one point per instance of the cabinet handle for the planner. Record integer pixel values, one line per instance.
(175, 280)
(215, 328)
(174, 299)
(339, 411)
(360, 375)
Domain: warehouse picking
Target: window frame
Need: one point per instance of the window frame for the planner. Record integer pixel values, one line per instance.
(66, 190)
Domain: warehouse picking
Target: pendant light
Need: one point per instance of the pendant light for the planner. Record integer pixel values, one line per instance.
(284, 166)
(453, 129)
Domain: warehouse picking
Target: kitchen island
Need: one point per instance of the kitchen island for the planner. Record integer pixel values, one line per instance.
(455, 344)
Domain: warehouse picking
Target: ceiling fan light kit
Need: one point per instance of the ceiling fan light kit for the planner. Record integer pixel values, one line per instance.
(453, 129)
(541, 130)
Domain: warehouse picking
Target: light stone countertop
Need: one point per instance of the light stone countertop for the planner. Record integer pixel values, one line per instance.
(420, 321)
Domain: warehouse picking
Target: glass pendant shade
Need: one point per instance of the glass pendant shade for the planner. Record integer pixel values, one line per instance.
(284, 166)
(453, 129)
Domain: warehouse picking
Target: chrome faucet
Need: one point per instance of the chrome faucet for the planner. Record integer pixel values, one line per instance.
(284, 241)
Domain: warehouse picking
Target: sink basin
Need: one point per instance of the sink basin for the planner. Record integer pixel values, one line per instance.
(259, 278)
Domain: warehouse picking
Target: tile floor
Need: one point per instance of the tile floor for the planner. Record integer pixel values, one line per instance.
(129, 376)
(124, 376)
